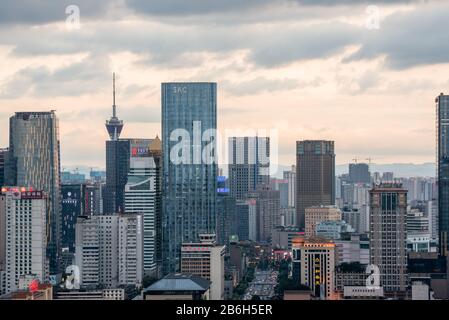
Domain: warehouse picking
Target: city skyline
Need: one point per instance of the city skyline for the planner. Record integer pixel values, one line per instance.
(330, 91)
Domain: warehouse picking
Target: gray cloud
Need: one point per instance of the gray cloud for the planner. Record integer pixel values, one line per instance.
(262, 84)
(409, 39)
(78, 78)
(201, 7)
(45, 11)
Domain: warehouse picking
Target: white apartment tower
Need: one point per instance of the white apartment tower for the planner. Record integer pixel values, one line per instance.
(23, 235)
(109, 250)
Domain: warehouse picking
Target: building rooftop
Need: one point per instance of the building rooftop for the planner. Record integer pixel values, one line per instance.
(179, 282)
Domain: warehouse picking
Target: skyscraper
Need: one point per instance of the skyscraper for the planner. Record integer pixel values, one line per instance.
(109, 250)
(290, 176)
(442, 117)
(388, 235)
(3, 155)
(249, 164)
(117, 163)
(34, 162)
(23, 235)
(315, 176)
(359, 173)
(189, 120)
(267, 211)
(143, 196)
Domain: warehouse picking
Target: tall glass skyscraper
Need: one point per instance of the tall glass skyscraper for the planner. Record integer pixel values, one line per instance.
(189, 111)
(34, 162)
(442, 117)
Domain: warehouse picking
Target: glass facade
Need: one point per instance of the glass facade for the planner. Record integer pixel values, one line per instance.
(190, 185)
(34, 162)
(117, 168)
(442, 115)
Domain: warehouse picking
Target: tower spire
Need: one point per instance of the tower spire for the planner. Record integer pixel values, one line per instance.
(114, 112)
(114, 125)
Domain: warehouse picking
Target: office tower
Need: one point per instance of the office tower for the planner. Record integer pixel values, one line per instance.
(143, 195)
(189, 122)
(359, 173)
(71, 209)
(388, 235)
(249, 164)
(205, 259)
(317, 214)
(227, 220)
(315, 259)
(109, 250)
(23, 235)
(288, 217)
(34, 162)
(281, 185)
(442, 121)
(267, 211)
(93, 198)
(117, 168)
(315, 176)
(290, 176)
(3, 156)
(242, 209)
(387, 177)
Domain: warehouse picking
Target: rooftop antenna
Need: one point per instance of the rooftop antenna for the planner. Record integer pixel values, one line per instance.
(114, 115)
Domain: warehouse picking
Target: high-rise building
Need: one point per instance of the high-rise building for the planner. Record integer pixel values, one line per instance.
(109, 250)
(117, 168)
(267, 212)
(23, 235)
(34, 162)
(315, 176)
(227, 219)
(317, 214)
(143, 195)
(3, 155)
(359, 173)
(314, 259)
(442, 121)
(388, 176)
(205, 259)
(71, 209)
(388, 235)
(249, 164)
(189, 122)
(290, 176)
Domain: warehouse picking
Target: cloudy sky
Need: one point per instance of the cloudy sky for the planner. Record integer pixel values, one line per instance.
(312, 69)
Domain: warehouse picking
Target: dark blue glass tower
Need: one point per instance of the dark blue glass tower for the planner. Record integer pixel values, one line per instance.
(442, 113)
(189, 112)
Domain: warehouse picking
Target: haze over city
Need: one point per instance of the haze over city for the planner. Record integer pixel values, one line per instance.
(311, 69)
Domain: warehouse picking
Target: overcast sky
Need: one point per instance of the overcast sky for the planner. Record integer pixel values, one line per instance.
(310, 69)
